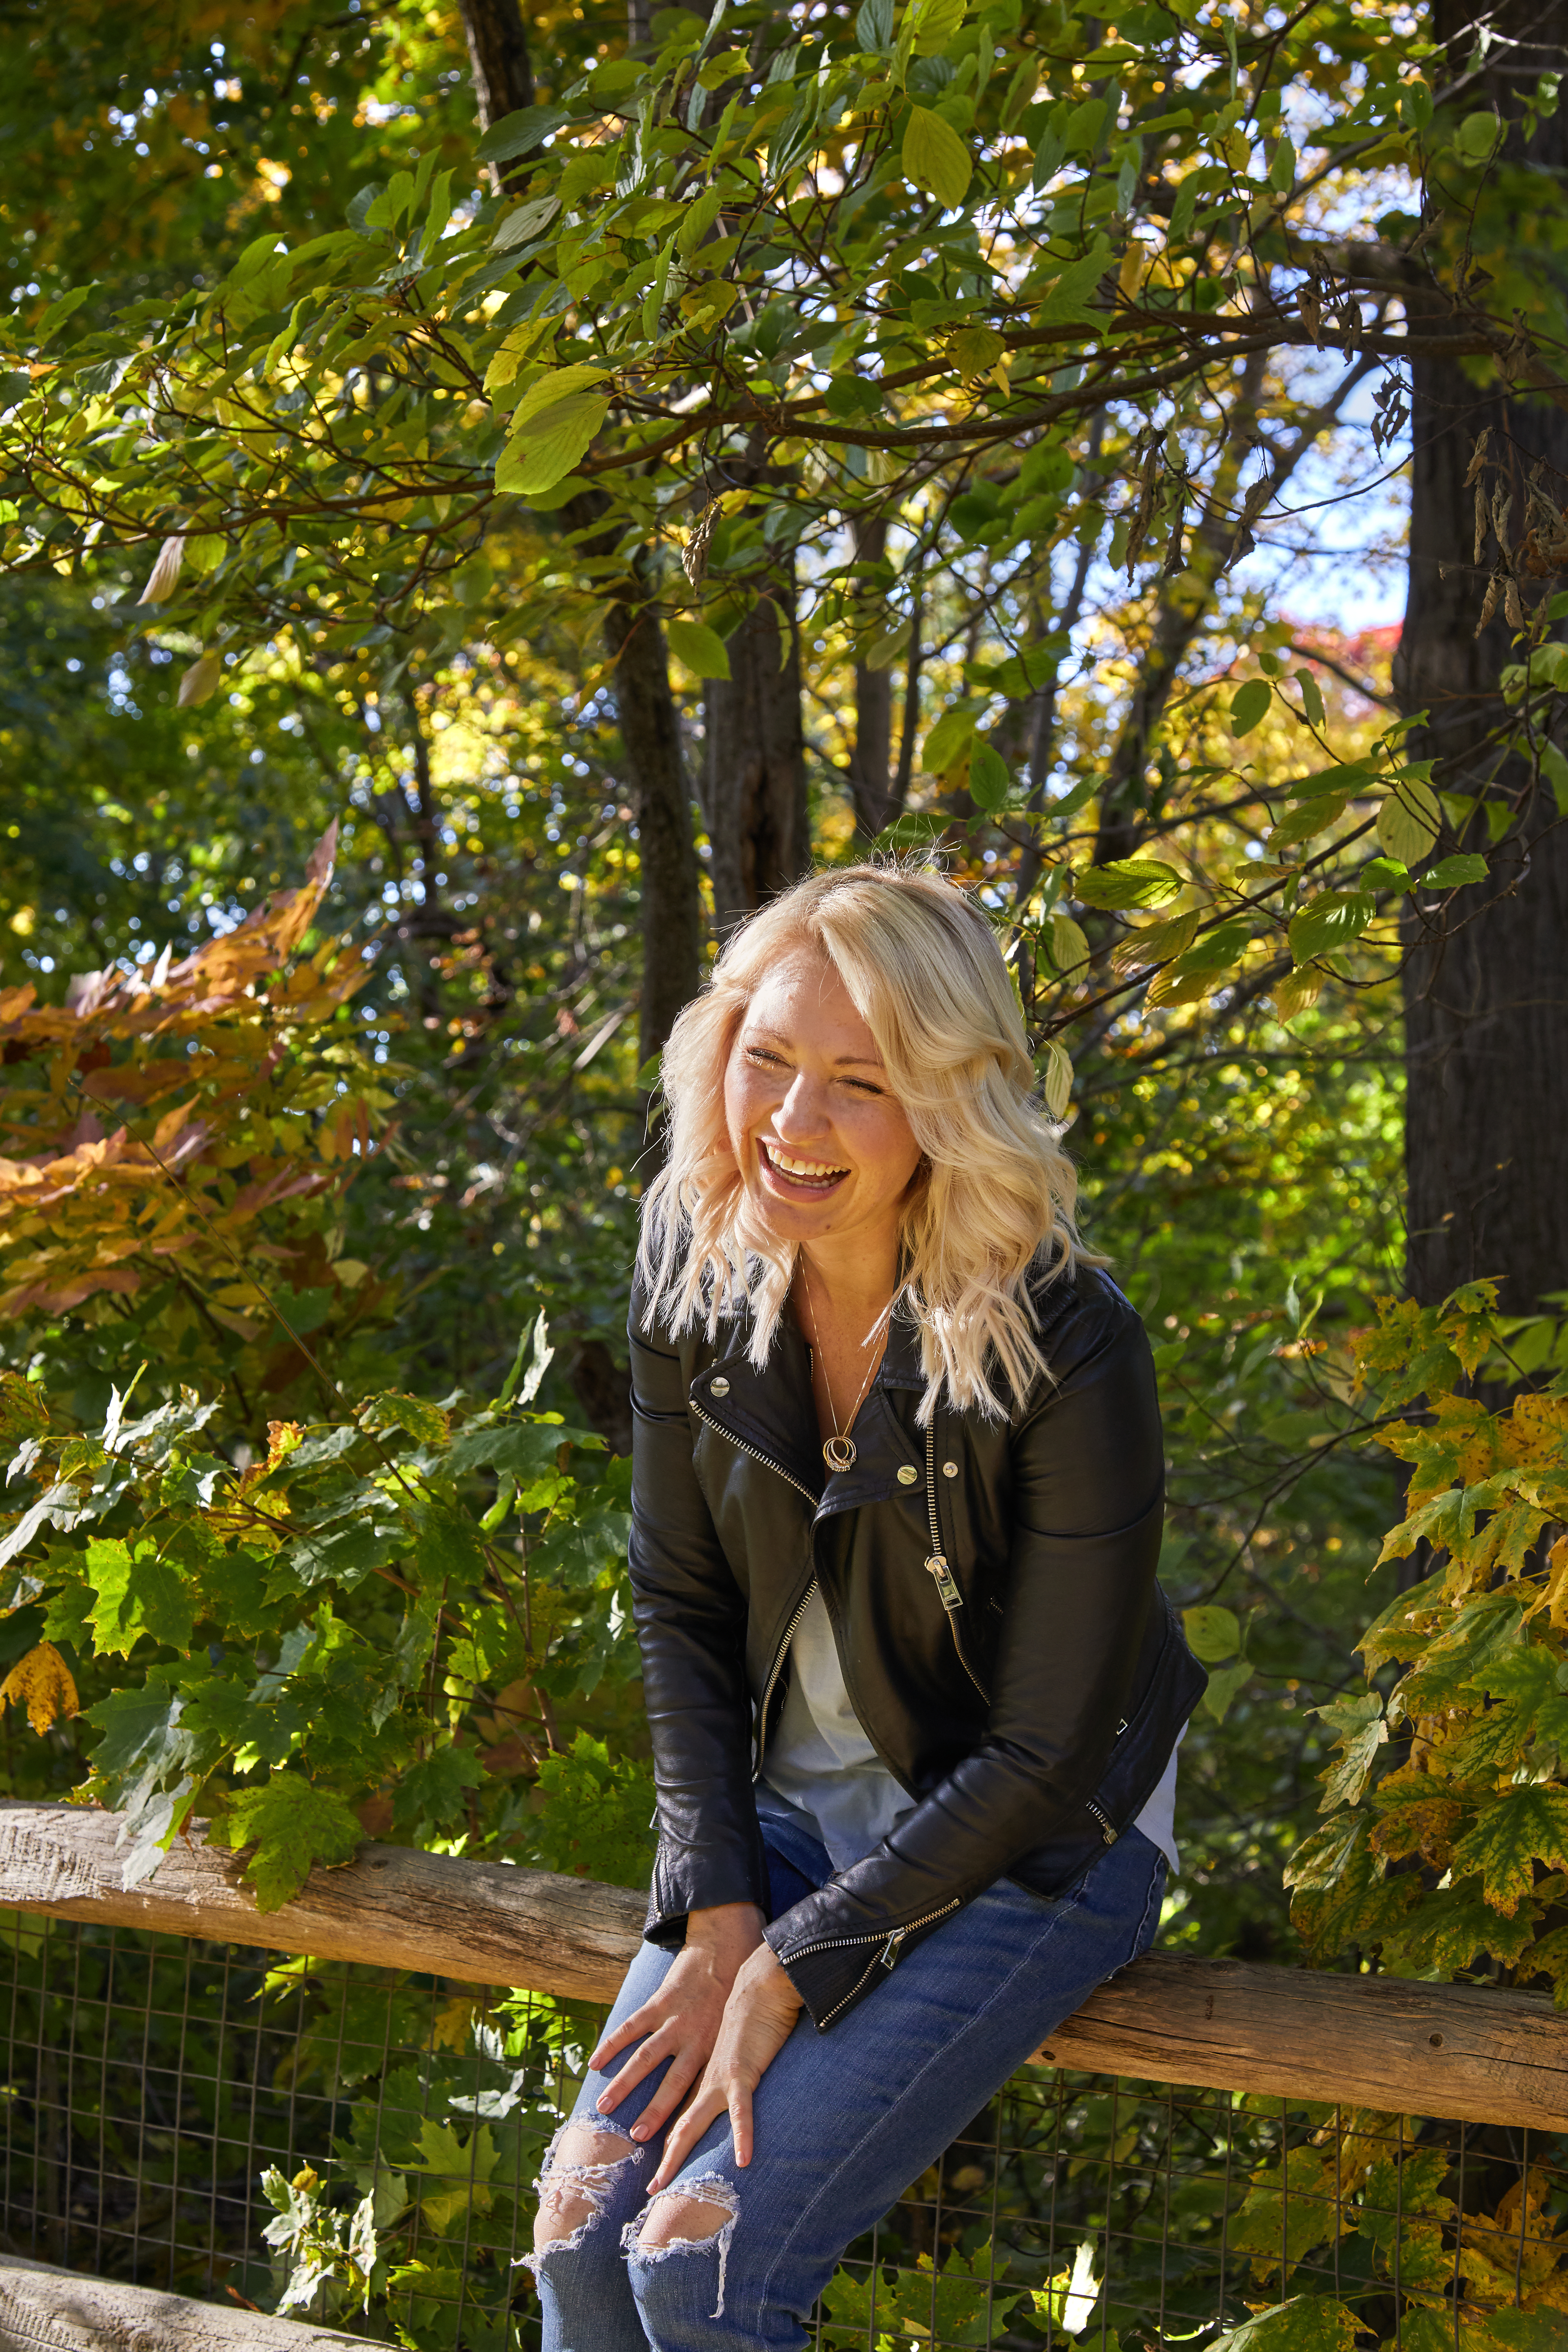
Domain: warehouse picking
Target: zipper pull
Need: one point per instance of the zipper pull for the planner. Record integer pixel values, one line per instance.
(889, 1951)
(946, 1583)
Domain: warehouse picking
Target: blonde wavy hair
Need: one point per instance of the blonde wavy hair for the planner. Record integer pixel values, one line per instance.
(994, 1193)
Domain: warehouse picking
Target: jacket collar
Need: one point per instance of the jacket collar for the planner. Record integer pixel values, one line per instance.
(771, 1415)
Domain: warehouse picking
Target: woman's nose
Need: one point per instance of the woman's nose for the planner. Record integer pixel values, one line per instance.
(803, 1111)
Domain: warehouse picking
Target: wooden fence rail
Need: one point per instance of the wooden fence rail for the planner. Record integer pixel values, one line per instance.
(1475, 2055)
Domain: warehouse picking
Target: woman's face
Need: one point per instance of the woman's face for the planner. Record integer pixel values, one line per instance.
(823, 1147)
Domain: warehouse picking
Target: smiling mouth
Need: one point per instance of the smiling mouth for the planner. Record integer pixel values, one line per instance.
(799, 1175)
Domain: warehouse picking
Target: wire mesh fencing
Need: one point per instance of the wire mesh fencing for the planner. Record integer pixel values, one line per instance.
(360, 2145)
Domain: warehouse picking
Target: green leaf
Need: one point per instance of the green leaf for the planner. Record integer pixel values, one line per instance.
(1476, 136)
(1521, 1827)
(526, 1448)
(1409, 821)
(1127, 882)
(464, 2167)
(426, 1424)
(1360, 1730)
(1213, 1634)
(345, 1551)
(520, 227)
(1056, 1076)
(1333, 920)
(949, 738)
(556, 438)
(293, 1825)
(1223, 1685)
(935, 158)
(1068, 297)
(138, 1592)
(1308, 2322)
(141, 1728)
(1454, 873)
(534, 1353)
(874, 25)
(1249, 704)
(990, 778)
(519, 133)
(699, 646)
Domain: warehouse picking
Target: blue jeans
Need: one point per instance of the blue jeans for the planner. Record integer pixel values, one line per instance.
(843, 2120)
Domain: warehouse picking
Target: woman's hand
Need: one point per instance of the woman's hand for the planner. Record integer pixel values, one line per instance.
(682, 2020)
(759, 2017)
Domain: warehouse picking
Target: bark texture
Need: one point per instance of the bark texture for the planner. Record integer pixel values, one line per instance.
(871, 787)
(498, 58)
(671, 899)
(754, 795)
(1485, 1004)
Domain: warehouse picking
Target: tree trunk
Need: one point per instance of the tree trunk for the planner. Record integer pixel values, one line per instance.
(1485, 1004)
(671, 899)
(499, 60)
(754, 795)
(872, 756)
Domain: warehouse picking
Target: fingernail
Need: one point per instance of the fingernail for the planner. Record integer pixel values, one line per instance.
(639, 2131)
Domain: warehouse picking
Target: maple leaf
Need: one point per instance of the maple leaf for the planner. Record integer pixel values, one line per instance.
(462, 2167)
(41, 1682)
(1523, 1827)
(293, 1825)
(139, 1591)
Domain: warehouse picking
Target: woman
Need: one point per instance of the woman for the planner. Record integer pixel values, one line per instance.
(913, 1690)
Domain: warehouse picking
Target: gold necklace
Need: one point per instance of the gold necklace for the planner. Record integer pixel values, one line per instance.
(839, 1450)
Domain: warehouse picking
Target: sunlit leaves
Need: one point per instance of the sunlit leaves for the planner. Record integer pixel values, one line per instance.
(935, 157)
(1128, 882)
(700, 648)
(293, 1825)
(1482, 1668)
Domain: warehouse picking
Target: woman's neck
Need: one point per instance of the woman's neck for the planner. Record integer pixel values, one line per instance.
(854, 1280)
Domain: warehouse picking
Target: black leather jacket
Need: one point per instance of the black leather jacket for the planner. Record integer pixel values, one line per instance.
(991, 1592)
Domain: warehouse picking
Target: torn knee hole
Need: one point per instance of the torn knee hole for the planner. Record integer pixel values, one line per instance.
(677, 2218)
(580, 2169)
(700, 2215)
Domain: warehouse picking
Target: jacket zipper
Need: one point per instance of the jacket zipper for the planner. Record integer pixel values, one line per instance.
(936, 1566)
(887, 1957)
(779, 1654)
(783, 1651)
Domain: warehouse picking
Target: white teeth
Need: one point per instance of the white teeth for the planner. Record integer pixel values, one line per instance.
(811, 1168)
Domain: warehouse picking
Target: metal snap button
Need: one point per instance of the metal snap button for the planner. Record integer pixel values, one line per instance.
(949, 1469)
(907, 1475)
(719, 1387)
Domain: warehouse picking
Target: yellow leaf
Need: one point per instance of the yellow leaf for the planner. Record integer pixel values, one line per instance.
(935, 157)
(453, 2022)
(556, 438)
(201, 681)
(41, 1682)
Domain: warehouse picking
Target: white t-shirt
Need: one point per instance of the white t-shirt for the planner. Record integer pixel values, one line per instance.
(820, 1761)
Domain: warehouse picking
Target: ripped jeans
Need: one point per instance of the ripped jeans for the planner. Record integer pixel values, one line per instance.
(843, 2120)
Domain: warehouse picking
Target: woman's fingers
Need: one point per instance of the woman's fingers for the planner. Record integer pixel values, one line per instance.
(683, 2071)
(739, 2104)
(684, 2136)
(631, 2029)
(658, 2046)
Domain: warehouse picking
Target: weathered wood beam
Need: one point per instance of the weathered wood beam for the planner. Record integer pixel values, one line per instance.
(1474, 2055)
(392, 1905)
(45, 2310)
(1452, 2051)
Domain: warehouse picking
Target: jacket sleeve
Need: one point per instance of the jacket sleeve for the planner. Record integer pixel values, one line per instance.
(1088, 1491)
(690, 1618)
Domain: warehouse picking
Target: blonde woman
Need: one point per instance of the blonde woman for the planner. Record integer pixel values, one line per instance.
(914, 1693)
